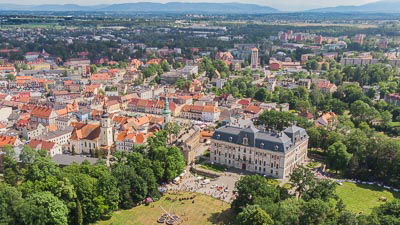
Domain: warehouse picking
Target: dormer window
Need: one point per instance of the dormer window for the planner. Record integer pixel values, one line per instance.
(230, 139)
(245, 141)
(262, 145)
(218, 136)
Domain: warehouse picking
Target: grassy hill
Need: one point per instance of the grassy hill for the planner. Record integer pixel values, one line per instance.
(204, 210)
(361, 198)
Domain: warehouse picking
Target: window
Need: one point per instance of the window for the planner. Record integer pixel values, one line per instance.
(245, 141)
(230, 139)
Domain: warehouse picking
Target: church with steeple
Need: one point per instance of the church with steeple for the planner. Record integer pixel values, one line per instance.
(106, 131)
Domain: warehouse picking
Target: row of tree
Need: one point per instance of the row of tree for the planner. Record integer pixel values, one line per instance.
(37, 191)
(263, 202)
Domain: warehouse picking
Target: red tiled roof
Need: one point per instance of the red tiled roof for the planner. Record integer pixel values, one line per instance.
(41, 112)
(39, 144)
(7, 140)
(85, 131)
(100, 76)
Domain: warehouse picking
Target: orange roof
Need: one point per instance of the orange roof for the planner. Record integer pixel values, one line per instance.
(140, 138)
(68, 82)
(52, 127)
(85, 131)
(41, 112)
(199, 109)
(155, 61)
(23, 99)
(136, 63)
(253, 109)
(23, 78)
(7, 68)
(100, 76)
(207, 133)
(244, 102)
(7, 140)
(39, 144)
(92, 87)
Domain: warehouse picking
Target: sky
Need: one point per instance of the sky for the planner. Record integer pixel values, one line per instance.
(285, 5)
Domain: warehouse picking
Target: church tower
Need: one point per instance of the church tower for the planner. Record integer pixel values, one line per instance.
(106, 132)
(166, 112)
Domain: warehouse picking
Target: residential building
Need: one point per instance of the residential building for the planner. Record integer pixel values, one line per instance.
(51, 148)
(205, 113)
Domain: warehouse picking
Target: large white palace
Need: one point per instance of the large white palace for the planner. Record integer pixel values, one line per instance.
(240, 145)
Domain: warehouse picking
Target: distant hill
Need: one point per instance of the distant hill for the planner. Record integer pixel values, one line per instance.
(172, 7)
(385, 6)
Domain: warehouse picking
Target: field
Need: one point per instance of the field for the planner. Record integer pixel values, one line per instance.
(361, 198)
(204, 210)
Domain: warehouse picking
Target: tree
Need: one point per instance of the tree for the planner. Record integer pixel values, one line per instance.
(165, 66)
(337, 156)
(276, 120)
(11, 171)
(79, 215)
(174, 163)
(172, 129)
(289, 212)
(10, 199)
(254, 215)
(10, 77)
(40, 168)
(182, 84)
(324, 190)
(312, 65)
(43, 208)
(250, 188)
(348, 218)
(302, 179)
(93, 68)
(262, 95)
(315, 211)
(96, 190)
(361, 111)
(388, 213)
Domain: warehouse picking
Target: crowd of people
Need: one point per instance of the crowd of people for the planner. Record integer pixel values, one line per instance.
(191, 183)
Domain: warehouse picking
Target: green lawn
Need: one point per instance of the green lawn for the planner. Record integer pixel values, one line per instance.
(394, 124)
(361, 198)
(204, 210)
(213, 167)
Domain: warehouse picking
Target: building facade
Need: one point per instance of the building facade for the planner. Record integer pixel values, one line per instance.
(254, 58)
(247, 148)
